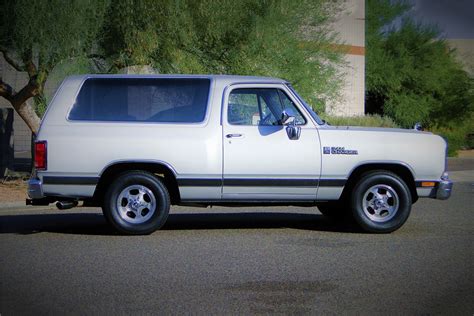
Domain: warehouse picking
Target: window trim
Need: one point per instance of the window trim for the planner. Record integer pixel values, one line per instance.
(200, 123)
(307, 107)
(260, 85)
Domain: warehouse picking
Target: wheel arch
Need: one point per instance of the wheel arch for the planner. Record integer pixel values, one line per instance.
(163, 170)
(400, 169)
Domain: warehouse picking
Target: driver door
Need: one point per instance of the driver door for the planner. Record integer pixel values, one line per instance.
(260, 161)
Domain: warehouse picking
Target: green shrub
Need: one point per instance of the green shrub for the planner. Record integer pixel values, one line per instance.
(367, 120)
(457, 136)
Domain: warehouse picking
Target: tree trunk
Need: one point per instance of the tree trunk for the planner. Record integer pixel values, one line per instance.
(21, 104)
(28, 114)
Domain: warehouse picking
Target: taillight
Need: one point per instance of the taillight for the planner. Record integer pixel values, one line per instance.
(40, 155)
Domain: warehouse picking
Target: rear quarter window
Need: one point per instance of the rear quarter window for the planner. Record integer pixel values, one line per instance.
(175, 100)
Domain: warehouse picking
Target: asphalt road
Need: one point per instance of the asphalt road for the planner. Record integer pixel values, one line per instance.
(239, 261)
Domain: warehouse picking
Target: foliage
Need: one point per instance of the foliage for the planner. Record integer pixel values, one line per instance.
(411, 74)
(458, 136)
(364, 120)
(247, 37)
(36, 35)
(67, 67)
(281, 38)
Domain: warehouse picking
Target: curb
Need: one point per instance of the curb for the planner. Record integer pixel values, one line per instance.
(11, 206)
(461, 176)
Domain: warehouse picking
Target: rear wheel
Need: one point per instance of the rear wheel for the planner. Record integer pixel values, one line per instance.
(137, 202)
(381, 202)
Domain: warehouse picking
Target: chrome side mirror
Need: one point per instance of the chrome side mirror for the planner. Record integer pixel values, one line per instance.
(293, 132)
(287, 117)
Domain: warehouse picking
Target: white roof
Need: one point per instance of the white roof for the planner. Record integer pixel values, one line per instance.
(224, 79)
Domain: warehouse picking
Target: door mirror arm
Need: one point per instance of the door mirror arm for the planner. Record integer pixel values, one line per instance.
(287, 117)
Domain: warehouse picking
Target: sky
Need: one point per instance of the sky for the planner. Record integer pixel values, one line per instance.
(455, 18)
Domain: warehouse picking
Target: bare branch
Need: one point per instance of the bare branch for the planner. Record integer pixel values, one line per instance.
(10, 60)
(20, 103)
(30, 67)
(6, 90)
(17, 98)
(30, 90)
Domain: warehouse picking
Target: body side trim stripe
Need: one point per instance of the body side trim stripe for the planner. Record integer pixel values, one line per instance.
(199, 182)
(246, 182)
(70, 180)
(216, 182)
(271, 182)
(332, 182)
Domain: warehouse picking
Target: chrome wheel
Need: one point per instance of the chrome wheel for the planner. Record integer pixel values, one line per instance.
(380, 203)
(136, 204)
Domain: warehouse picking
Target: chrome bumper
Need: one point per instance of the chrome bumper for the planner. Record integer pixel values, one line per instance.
(444, 189)
(35, 189)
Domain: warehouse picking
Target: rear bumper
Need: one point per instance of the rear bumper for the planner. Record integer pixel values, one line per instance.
(35, 189)
(444, 189)
(36, 195)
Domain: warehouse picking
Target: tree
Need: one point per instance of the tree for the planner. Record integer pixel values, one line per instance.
(262, 37)
(412, 75)
(35, 36)
(253, 37)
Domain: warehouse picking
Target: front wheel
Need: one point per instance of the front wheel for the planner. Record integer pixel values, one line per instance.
(136, 203)
(381, 202)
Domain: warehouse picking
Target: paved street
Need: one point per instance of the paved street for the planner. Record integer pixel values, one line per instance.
(243, 260)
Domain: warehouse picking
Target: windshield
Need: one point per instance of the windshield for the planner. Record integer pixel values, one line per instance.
(307, 106)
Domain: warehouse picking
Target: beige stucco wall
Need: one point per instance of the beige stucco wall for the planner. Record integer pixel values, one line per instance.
(350, 24)
(465, 53)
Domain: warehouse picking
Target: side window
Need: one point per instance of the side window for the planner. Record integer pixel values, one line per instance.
(259, 107)
(179, 100)
(288, 104)
(243, 108)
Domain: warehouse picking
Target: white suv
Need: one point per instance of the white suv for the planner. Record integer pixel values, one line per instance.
(136, 144)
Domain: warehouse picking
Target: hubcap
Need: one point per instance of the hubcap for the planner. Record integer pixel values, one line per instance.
(136, 204)
(380, 203)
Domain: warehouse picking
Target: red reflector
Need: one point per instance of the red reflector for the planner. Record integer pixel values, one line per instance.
(40, 155)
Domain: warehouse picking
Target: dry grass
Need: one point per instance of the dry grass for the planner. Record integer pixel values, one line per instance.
(12, 191)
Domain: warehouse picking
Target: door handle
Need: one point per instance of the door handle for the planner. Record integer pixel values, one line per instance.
(233, 135)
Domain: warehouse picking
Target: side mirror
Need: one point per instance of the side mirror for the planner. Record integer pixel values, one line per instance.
(287, 117)
(293, 132)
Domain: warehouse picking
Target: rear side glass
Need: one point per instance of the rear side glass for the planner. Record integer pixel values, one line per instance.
(176, 100)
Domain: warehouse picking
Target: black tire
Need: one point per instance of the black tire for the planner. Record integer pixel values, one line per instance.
(334, 210)
(144, 203)
(381, 202)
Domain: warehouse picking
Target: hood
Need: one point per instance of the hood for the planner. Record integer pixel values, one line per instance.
(376, 129)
